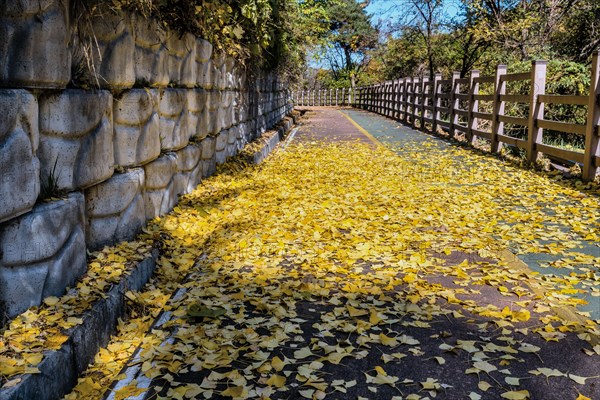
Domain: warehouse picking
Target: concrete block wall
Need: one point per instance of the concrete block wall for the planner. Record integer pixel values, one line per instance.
(163, 112)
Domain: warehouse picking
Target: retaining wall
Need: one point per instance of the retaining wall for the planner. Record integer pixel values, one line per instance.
(84, 168)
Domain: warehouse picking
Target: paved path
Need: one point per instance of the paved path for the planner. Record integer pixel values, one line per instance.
(370, 345)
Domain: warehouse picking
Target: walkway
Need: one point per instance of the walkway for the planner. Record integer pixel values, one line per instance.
(351, 269)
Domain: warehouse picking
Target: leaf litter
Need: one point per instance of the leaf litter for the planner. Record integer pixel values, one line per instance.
(328, 268)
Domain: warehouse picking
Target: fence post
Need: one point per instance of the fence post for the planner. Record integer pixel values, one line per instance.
(424, 82)
(497, 125)
(386, 98)
(391, 98)
(409, 100)
(473, 106)
(536, 110)
(454, 103)
(402, 99)
(593, 120)
(436, 101)
(416, 81)
(380, 97)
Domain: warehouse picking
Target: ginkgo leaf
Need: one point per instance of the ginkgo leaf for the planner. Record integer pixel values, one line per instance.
(511, 381)
(516, 395)
(578, 379)
(484, 366)
(277, 363)
(548, 372)
(307, 393)
(276, 380)
(235, 391)
(198, 310)
(355, 312)
(430, 384)
(303, 353)
(388, 341)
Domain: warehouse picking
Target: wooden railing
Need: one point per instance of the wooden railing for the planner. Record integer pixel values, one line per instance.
(453, 105)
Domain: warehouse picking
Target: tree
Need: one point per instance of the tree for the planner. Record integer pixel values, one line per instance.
(579, 34)
(351, 35)
(426, 19)
(521, 28)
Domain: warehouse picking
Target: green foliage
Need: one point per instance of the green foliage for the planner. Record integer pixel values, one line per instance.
(50, 188)
(268, 32)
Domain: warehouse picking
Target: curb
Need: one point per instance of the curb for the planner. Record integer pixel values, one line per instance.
(278, 136)
(60, 368)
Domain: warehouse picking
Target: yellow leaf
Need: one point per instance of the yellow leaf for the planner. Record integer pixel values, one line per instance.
(302, 353)
(355, 312)
(388, 341)
(276, 380)
(516, 395)
(235, 391)
(51, 301)
(277, 363)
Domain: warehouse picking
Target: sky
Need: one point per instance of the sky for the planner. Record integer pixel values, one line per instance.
(386, 11)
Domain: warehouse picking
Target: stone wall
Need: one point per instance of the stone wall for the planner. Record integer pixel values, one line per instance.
(163, 112)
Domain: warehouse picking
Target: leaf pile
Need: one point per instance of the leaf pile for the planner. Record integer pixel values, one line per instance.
(342, 270)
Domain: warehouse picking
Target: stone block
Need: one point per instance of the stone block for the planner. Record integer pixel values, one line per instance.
(208, 75)
(174, 133)
(230, 69)
(76, 136)
(208, 156)
(137, 128)
(188, 72)
(34, 43)
(221, 140)
(110, 39)
(42, 252)
(216, 114)
(151, 56)
(221, 146)
(208, 148)
(19, 165)
(196, 102)
(176, 52)
(159, 195)
(115, 209)
(203, 54)
(189, 169)
(242, 137)
(231, 147)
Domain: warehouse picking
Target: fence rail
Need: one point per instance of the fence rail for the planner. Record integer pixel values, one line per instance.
(454, 106)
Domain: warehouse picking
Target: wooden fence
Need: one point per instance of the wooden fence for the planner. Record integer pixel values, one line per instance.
(454, 106)
(323, 97)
